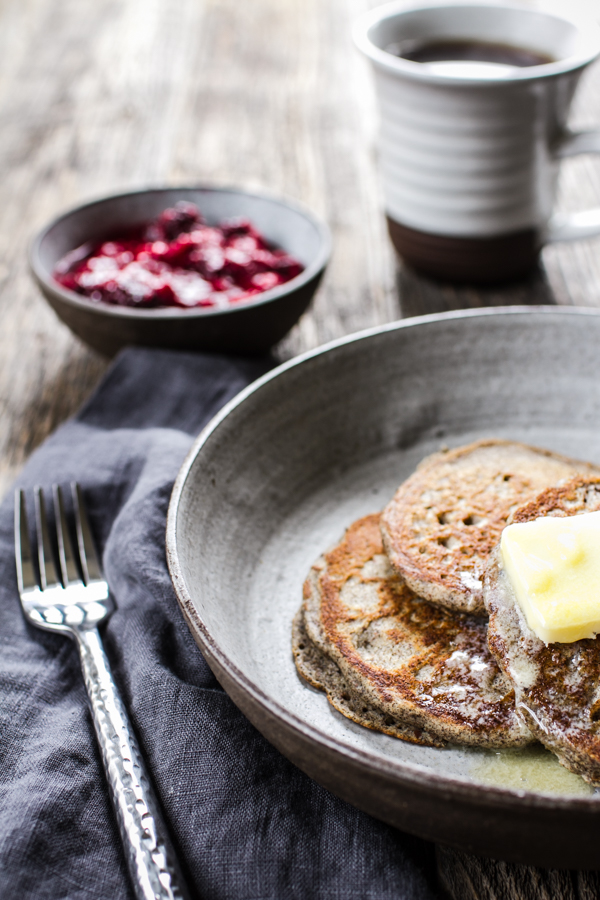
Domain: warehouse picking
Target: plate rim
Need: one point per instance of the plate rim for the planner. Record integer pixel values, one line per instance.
(412, 774)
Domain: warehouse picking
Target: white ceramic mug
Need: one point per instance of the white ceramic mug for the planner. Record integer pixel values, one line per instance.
(470, 152)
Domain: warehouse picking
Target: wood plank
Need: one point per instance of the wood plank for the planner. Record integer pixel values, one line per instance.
(102, 95)
(467, 877)
(106, 96)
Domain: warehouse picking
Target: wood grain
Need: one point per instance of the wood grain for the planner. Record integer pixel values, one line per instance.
(106, 95)
(102, 95)
(466, 877)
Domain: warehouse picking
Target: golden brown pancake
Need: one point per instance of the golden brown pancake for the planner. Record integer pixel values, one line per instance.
(557, 686)
(322, 673)
(397, 656)
(444, 521)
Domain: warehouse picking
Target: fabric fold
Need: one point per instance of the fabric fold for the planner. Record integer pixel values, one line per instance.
(247, 824)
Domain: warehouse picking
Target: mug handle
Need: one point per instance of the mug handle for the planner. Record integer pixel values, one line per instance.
(585, 224)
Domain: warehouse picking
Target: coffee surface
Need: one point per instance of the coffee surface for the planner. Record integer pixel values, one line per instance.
(472, 51)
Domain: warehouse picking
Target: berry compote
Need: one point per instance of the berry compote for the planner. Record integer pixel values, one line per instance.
(178, 260)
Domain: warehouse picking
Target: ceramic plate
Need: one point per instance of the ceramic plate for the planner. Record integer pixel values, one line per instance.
(291, 462)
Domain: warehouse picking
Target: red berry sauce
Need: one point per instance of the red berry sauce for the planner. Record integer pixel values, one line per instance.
(178, 260)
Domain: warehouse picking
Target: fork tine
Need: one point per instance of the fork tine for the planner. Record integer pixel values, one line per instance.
(48, 574)
(26, 576)
(66, 557)
(87, 552)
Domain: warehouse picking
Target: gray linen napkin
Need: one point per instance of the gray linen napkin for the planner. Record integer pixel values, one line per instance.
(246, 823)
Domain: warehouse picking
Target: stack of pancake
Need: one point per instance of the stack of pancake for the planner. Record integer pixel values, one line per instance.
(557, 686)
(394, 621)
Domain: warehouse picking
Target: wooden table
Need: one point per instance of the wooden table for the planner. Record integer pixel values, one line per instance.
(102, 95)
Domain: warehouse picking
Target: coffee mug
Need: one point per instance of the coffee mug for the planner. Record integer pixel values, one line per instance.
(474, 100)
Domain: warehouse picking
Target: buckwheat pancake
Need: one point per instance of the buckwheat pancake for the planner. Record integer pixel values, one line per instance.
(557, 686)
(399, 662)
(322, 673)
(444, 521)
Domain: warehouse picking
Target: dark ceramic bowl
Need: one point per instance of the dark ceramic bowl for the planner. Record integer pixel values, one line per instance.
(251, 328)
(306, 450)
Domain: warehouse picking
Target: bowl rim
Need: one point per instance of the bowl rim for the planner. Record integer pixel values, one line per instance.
(48, 283)
(406, 773)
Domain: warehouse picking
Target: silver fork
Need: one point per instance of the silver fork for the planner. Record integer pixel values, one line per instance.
(75, 606)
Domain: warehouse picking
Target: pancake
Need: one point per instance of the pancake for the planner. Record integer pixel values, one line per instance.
(322, 673)
(444, 521)
(557, 686)
(397, 656)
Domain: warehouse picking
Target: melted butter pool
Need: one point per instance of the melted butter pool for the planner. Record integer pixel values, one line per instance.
(528, 769)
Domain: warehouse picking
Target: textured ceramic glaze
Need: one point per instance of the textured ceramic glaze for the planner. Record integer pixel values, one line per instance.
(476, 155)
(288, 465)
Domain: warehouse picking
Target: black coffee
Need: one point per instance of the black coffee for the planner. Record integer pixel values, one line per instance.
(474, 51)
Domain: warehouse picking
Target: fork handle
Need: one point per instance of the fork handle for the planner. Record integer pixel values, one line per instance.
(153, 868)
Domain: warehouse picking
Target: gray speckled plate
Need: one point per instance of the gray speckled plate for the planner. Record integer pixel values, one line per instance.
(293, 460)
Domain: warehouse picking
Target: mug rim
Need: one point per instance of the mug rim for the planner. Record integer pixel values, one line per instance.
(417, 71)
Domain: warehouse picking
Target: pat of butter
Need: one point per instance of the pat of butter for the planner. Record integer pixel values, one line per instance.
(553, 564)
